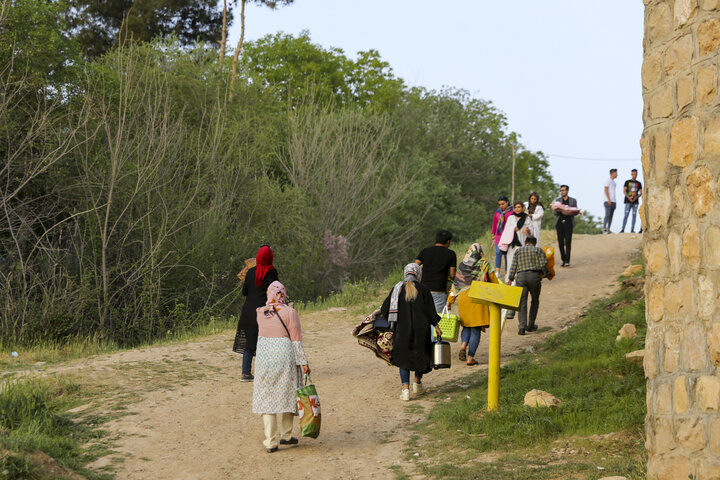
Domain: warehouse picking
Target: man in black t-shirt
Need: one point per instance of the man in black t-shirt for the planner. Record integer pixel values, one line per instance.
(439, 263)
(633, 191)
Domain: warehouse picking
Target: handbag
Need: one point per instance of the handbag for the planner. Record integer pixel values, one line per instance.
(449, 324)
(309, 409)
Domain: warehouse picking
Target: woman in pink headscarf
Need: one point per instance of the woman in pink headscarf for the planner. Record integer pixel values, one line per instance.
(255, 286)
(279, 367)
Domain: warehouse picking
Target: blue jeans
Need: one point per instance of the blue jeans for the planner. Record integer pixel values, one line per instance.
(440, 300)
(405, 376)
(609, 211)
(499, 254)
(630, 207)
(247, 361)
(471, 337)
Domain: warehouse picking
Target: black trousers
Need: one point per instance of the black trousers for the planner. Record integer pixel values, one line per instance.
(564, 230)
(531, 283)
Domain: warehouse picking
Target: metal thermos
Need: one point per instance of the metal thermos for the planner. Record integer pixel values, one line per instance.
(441, 354)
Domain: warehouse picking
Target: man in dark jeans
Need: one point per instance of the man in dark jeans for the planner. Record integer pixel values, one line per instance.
(564, 225)
(439, 263)
(610, 202)
(529, 263)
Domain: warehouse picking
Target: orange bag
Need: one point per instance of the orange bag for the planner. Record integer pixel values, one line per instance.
(550, 254)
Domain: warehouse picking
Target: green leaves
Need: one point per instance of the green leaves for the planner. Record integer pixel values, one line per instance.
(165, 183)
(98, 26)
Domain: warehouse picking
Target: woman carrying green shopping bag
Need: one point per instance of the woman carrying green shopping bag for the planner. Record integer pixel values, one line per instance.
(280, 363)
(474, 317)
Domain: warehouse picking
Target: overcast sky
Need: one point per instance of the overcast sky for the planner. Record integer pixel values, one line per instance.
(565, 72)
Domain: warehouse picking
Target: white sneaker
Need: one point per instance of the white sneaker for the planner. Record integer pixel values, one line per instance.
(418, 388)
(405, 395)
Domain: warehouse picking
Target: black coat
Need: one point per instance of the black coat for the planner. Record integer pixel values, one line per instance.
(412, 345)
(247, 329)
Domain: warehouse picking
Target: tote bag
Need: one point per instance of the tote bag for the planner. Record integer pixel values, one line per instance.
(309, 409)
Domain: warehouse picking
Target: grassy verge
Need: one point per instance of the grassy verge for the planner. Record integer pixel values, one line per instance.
(30, 355)
(596, 432)
(39, 439)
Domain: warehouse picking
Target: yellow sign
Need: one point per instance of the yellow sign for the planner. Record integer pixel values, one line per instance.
(504, 296)
(496, 296)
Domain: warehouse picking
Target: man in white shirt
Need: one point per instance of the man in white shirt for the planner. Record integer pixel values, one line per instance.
(609, 196)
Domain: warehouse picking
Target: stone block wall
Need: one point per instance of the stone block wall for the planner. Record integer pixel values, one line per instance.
(681, 162)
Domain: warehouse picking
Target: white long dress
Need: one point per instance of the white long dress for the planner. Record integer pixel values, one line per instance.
(536, 219)
(277, 361)
(507, 237)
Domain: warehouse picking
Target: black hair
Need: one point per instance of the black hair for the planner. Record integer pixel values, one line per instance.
(531, 240)
(503, 198)
(443, 236)
(564, 186)
(613, 170)
(531, 207)
(633, 170)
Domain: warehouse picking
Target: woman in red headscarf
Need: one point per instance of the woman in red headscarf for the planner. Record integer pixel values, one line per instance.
(255, 286)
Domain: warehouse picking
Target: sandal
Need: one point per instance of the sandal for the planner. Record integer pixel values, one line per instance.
(461, 355)
(473, 363)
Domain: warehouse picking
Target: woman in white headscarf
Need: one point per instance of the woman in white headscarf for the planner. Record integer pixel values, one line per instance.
(411, 310)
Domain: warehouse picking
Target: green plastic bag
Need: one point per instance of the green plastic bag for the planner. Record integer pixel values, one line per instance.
(309, 409)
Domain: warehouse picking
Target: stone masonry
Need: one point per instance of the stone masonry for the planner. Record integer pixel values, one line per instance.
(681, 161)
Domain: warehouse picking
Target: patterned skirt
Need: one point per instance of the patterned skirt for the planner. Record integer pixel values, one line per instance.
(277, 377)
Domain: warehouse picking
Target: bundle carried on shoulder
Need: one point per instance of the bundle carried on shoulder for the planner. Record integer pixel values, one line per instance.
(565, 209)
(377, 338)
(249, 263)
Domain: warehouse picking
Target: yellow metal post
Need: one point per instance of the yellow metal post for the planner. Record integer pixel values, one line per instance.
(496, 297)
(494, 359)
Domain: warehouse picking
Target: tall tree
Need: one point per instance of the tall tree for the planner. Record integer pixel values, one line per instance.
(223, 37)
(272, 4)
(101, 25)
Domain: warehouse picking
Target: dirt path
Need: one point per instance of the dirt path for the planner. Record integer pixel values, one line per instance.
(192, 416)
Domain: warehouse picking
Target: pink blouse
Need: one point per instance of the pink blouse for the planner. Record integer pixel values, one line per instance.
(269, 326)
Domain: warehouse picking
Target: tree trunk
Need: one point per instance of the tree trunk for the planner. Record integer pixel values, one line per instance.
(223, 40)
(239, 46)
(512, 189)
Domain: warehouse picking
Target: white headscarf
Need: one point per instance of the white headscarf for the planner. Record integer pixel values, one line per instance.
(411, 273)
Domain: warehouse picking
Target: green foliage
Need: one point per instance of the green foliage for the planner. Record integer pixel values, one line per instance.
(32, 419)
(34, 49)
(17, 467)
(98, 26)
(583, 366)
(587, 223)
(135, 197)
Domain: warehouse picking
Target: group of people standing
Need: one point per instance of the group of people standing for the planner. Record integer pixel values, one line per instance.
(512, 226)
(632, 191)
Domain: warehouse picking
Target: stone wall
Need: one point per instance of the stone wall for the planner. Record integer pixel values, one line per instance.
(681, 160)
